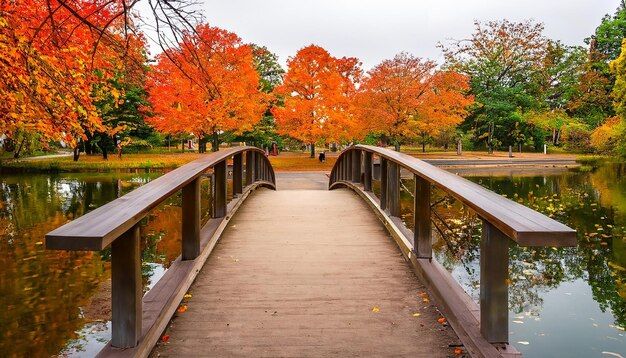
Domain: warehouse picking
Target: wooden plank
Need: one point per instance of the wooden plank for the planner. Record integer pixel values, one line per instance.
(525, 226)
(422, 239)
(97, 229)
(191, 220)
(237, 173)
(306, 290)
(160, 303)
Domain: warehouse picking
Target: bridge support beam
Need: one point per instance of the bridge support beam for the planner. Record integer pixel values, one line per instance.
(249, 167)
(422, 230)
(191, 220)
(367, 171)
(494, 297)
(356, 166)
(384, 179)
(126, 289)
(220, 192)
(237, 174)
(393, 186)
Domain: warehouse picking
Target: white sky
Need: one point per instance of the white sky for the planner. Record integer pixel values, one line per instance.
(374, 30)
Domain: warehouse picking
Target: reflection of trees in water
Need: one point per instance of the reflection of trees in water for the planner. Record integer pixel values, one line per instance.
(570, 198)
(41, 291)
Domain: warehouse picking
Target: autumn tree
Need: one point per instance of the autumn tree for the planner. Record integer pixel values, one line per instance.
(316, 92)
(407, 98)
(47, 65)
(206, 86)
(270, 73)
(503, 59)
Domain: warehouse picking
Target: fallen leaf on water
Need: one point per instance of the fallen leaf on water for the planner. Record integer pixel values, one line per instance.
(617, 327)
(441, 320)
(520, 322)
(613, 354)
(523, 342)
(187, 295)
(182, 308)
(425, 300)
(458, 351)
(416, 314)
(375, 309)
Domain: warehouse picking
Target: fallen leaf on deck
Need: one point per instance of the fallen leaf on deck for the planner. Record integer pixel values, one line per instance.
(423, 294)
(458, 351)
(416, 314)
(375, 309)
(441, 320)
(182, 308)
(165, 338)
(425, 300)
(187, 295)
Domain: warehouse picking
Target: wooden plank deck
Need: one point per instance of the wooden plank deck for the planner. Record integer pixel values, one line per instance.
(299, 273)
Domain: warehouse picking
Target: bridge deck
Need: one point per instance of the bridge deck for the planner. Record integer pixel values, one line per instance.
(306, 273)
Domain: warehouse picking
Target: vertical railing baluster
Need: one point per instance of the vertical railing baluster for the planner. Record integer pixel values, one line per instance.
(494, 273)
(394, 189)
(191, 220)
(367, 171)
(249, 167)
(422, 230)
(356, 166)
(237, 174)
(257, 166)
(126, 289)
(219, 198)
(383, 183)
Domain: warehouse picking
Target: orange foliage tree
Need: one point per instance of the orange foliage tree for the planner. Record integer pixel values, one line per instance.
(51, 63)
(206, 85)
(317, 91)
(406, 98)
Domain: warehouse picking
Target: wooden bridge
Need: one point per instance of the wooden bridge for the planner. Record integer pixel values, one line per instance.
(303, 271)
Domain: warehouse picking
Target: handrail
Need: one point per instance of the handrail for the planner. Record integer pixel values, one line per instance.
(502, 219)
(117, 224)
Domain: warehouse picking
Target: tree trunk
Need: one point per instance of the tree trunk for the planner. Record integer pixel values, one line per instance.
(103, 146)
(19, 149)
(216, 142)
(423, 147)
(182, 141)
(397, 145)
(76, 153)
(312, 150)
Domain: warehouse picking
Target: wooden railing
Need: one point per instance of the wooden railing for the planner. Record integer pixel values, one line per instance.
(117, 224)
(502, 219)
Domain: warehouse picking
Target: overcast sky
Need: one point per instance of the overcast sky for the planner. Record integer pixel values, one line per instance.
(374, 30)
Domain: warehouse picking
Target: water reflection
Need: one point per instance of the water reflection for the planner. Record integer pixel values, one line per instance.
(588, 281)
(51, 297)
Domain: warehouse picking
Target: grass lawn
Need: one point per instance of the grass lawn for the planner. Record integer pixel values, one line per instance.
(285, 161)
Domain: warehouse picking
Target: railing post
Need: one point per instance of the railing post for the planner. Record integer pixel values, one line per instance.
(237, 174)
(191, 220)
(393, 186)
(356, 166)
(257, 166)
(219, 198)
(249, 167)
(383, 183)
(422, 231)
(367, 171)
(494, 296)
(126, 289)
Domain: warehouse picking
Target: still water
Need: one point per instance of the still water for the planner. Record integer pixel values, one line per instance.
(568, 302)
(563, 302)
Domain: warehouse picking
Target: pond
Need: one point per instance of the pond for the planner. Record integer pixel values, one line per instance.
(563, 302)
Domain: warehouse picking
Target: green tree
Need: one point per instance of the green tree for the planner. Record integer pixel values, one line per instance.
(504, 60)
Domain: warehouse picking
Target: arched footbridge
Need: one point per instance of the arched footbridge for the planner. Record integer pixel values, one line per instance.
(306, 271)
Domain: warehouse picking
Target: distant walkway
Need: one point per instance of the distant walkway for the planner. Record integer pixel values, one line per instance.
(306, 272)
